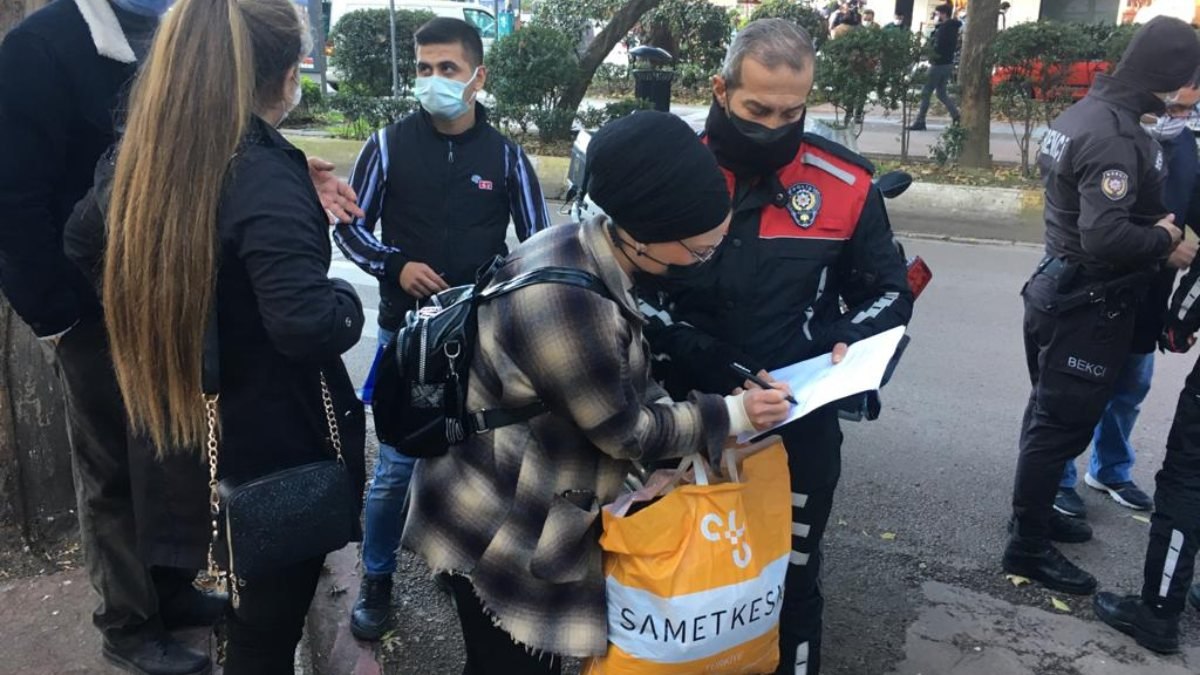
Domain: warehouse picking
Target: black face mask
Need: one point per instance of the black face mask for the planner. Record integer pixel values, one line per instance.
(746, 147)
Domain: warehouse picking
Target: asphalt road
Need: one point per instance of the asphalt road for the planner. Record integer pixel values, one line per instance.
(935, 471)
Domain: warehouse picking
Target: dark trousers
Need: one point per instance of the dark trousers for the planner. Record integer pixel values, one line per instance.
(814, 447)
(1073, 357)
(1175, 525)
(262, 633)
(490, 650)
(108, 527)
(939, 77)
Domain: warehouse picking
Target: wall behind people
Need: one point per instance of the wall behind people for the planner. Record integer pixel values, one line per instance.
(35, 461)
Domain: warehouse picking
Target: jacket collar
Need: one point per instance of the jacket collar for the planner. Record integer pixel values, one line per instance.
(1125, 95)
(106, 30)
(481, 120)
(260, 133)
(593, 235)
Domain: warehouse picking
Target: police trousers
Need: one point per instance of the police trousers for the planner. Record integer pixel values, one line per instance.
(814, 449)
(1074, 354)
(1175, 525)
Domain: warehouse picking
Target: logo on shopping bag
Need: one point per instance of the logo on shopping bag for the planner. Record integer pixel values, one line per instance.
(711, 526)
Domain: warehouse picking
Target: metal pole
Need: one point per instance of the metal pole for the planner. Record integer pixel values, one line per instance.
(317, 22)
(392, 31)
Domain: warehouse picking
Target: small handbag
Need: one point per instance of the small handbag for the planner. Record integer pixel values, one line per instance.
(279, 519)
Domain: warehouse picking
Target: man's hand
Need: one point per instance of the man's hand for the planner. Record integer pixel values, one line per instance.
(1168, 224)
(420, 281)
(1176, 340)
(1182, 256)
(766, 407)
(338, 198)
(839, 352)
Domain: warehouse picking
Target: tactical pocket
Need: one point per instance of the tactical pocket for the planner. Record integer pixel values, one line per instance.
(568, 546)
(1091, 344)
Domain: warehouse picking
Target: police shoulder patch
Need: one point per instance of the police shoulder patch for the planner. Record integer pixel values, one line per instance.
(804, 201)
(1114, 184)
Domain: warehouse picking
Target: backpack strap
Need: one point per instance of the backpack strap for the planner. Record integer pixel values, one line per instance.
(482, 421)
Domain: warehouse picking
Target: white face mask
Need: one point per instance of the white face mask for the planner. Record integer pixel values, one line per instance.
(1166, 127)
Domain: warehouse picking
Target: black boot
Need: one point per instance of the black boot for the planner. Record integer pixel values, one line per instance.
(1038, 560)
(1128, 614)
(917, 126)
(373, 611)
(158, 654)
(191, 607)
(1063, 529)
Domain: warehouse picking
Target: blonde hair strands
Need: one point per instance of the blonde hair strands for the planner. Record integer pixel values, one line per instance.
(212, 64)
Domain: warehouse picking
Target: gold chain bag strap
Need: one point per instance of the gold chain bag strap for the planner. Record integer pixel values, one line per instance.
(264, 523)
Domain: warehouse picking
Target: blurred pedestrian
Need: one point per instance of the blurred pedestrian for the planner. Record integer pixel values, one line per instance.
(1106, 239)
(442, 174)
(228, 217)
(512, 513)
(944, 45)
(868, 19)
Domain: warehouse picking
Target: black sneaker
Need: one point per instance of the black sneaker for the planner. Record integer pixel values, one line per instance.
(160, 654)
(1069, 503)
(917, 126)
(372, 613)
(1128, 614)
(1194, 596)
(1038, 560)
(1126, 494)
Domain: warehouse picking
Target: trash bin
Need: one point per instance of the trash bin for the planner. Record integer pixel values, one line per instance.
(652, 76)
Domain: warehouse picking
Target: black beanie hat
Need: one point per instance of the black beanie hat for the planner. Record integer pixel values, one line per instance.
(1162, 57)
(650, 173)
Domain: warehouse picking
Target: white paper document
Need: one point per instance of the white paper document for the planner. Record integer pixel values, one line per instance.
(818, 381)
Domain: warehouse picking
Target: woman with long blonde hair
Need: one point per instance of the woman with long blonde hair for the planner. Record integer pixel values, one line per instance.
(205, 207)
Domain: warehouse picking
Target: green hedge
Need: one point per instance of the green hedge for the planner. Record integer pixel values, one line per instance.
(362, 50)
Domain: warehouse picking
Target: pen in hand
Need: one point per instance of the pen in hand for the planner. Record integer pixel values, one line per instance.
(744, 372)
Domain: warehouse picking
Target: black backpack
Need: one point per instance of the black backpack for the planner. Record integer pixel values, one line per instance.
(420, 395)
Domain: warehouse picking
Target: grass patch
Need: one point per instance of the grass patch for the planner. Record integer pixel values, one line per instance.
(340, 152)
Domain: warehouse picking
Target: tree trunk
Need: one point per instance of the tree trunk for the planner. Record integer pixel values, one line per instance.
(36, 490)
(618, 27)
(975, 80)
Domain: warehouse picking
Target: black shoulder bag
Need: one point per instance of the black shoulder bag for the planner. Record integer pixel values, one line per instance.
(279, 519)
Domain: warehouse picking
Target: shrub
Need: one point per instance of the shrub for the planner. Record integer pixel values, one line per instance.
(806, 17)
(594, 118)
(695, 32)
(1116, 42)
(365, 114)
(1036, 57)
(573, 17)
(528, 72)
(362, 50)
(848, 69)
(312, 105)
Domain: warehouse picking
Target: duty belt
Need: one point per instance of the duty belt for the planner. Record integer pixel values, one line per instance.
(1072, 295)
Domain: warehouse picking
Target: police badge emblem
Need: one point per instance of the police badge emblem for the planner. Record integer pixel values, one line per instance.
(804, 201)
(1114, 184)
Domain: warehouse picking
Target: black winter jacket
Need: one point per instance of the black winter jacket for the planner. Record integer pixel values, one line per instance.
(281, 320)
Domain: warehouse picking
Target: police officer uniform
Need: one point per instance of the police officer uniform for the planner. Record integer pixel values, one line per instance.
(1103, 180)
(808, 233)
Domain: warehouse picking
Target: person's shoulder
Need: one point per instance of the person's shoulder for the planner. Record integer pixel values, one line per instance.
(835, 158)
(58, 25)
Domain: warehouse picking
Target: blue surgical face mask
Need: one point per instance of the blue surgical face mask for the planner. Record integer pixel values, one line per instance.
(443, 97)
(1166, 127)
(145, 7)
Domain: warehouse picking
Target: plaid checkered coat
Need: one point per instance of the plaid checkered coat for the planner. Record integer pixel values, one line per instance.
(494, 508)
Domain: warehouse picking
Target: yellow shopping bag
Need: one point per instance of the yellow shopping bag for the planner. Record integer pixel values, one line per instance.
(695, 580)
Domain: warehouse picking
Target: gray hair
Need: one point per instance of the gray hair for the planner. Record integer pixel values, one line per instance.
(771, 42)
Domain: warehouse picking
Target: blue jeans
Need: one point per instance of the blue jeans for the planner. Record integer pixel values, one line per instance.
(1112, 454)
(385, 502)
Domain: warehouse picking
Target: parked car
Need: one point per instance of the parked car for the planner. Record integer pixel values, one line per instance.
(1080, 75)
(480, 17)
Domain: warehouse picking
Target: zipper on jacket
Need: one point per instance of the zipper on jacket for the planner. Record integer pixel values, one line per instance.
(450, 146)
(234, 582)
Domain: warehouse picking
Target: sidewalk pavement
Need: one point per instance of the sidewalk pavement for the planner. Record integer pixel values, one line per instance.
(47, 626)
(881, 131)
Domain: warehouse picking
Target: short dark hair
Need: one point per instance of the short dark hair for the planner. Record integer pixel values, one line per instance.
(447, 31)
(944, 8)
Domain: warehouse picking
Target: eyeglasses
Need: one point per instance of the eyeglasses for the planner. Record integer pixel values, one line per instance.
(706, 255)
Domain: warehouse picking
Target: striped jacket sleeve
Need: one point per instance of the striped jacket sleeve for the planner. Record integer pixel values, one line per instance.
(357, 238)
(525, 201)
(1184, 315)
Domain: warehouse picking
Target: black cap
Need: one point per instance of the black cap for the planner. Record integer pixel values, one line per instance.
(1162, 57)
(650, 173)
